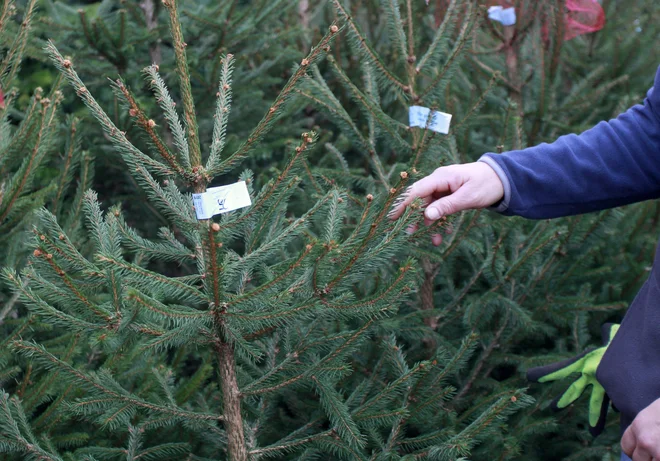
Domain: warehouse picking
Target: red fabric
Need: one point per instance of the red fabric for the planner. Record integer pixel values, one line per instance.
(502, 3)
(582, 17)
(2, 99)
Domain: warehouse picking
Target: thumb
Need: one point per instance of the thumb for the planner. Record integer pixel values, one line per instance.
(447, 205)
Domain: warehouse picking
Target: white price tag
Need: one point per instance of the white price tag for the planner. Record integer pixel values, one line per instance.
(223, 199)
(507, 16)
(419, 117)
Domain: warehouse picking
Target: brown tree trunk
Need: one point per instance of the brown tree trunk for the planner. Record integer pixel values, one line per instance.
(303, 12)
(150, 10)
(426, 293)
(513, 74)
(233, 419)
(440, 11)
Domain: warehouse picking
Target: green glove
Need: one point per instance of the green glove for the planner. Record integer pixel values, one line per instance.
(586, 364)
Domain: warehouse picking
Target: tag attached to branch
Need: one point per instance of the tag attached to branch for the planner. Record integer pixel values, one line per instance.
(506, 16)
(419, 117)
(223, 199)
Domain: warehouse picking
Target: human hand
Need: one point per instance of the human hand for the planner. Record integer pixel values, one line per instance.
(641, 441)
(451, 189)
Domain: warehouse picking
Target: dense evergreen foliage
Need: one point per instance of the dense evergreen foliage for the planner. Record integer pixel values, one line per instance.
(308, 325)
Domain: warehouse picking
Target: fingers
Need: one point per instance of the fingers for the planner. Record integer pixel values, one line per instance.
(413, 228)
(435, 183)
(436, 239)
(463, 187)
(628, 441)
(641, 455)
(458, 201)
(428, 188)
(428, 201)
(642, 437)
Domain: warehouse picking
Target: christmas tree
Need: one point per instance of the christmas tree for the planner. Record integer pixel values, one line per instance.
(265, 305)
(308, 325)
(35, 142)
(40, 162)
(112, 38)
(527, 289)
(30, 127)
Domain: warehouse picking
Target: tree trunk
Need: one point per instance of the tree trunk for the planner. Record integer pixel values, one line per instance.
(232, 403)
(151, 18)
(303, 12)
(427, 298)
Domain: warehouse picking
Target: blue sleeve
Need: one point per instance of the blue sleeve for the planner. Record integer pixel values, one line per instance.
(614, 163)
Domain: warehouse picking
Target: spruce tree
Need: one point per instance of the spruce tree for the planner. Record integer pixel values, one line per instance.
(40, 155)
(40, 161)
(527, 289)
(113, 37)
(309, 326)
(259, 312)
(25, 146)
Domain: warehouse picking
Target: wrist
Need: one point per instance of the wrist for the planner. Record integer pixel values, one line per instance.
(502, 204)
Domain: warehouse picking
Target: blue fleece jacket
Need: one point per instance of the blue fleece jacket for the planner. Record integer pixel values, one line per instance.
(615, 163)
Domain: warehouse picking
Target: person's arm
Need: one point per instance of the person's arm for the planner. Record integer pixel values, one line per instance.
(614, 163)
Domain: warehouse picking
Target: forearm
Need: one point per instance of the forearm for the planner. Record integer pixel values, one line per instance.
(615, 163)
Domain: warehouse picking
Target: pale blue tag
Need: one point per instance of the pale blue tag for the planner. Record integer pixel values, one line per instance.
(223, 199)
(438, 122)
(506, 16)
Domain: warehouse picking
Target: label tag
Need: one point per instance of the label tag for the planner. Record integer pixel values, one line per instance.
(507, 16)
(439, 122)
(223, 199)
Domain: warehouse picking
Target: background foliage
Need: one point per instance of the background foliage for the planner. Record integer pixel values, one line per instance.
(498, 295)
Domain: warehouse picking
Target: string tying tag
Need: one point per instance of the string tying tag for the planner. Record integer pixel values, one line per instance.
(419, 117)
(223, 199)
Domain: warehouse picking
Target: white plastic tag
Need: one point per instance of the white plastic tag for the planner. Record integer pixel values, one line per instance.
(419, 116)
(507, 16)
(223, 199)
